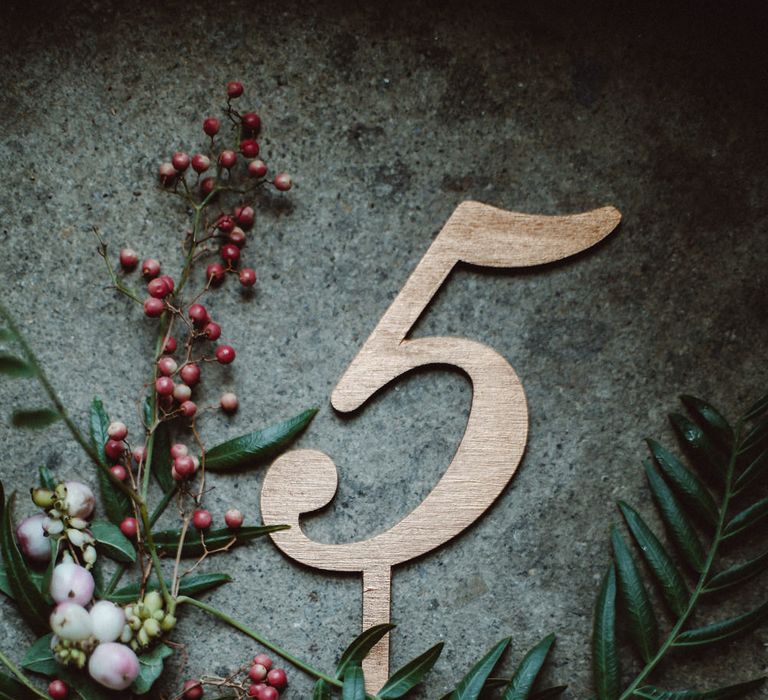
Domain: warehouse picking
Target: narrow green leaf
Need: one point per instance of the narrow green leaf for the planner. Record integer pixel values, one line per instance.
(754, 471)
(755, 437)
(161, 458)
(11, 689)
(605, 657)
(5, 584)
(46, 478)
(150, 668)
(354, 684)
(410, 675)
(167, 541)
(710, 420)
(7, 335)
(672, 585)
(45, 583)
(686, 484)
(116, 504)
(757, 408)
(12, 366)
(239, 452)
(747, 518)
(112, 541)
(39, 657)
(549, 693)
(680, 530)
(321, 691)
(189, 586)
(360, 647)
(526, 673)
(724, 629)
(472, 684)
(739, 573)
(732, 691)
(699, 446)
(34, 418)
(634, 598)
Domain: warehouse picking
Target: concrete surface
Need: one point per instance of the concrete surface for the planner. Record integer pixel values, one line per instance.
(388, 116)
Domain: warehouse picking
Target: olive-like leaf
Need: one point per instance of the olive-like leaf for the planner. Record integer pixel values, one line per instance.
(680, 530)
(755, 437)
(189, 586)
(12, 366)
(354, 684)
(673, 587)
(709, 419)
(321, 691)
(605, 658)
(11, 689)
(634, 598)
(726, 693)
(410, 675)
(472, 684)
(549, 693)
(526, 673)
(46, 478)
(167, 541)
(253, 447)
(116, 504)
(45, 583)
(724, 629)
(360, 647)
(150, 668)
(747, 518)
(754, 471)
(161, 458)
(702, 450)
(757, 408)
(34, 418)
(112, 541)
(738, 573)
(39, 657)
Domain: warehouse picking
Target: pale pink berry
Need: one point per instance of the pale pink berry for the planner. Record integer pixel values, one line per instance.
(283, 182)
(225, 354)
(164, 386)
(201, 519)
(180, 161)
(212, 330)
(249, 148)
(71, 583)
(234, 519)
(129, 527)
(140, 454)
(182, 393)
(119, 472)
(198, 314)
(227, 159)
(34, 544)
(237, 237)
(190, 374)
(107, 621)
(234, 89)
(175, 475)
(247, 277)
(150, 267)
(114, 449)
(267, 692)
(200, 163)
(264, 660)
(117, 430)
(71, 621)
(230, 252)
(251, 121)
(58, 690)
(277, 678)
(113, 665)
(188, 409)
(170, 345)
(129, 258)
(257, 672)
(257, 168)
(167, 366)
(215, 273)
(184, 465)
(167, 173)
(245, 216)
(229, 402)
(154, 307)
(211, 126)
(179, 450)
(80, 500)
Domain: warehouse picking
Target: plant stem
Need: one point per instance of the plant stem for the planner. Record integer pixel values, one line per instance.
(22, 678)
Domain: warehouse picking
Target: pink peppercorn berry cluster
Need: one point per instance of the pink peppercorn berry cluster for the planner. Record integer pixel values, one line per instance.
(261, 682)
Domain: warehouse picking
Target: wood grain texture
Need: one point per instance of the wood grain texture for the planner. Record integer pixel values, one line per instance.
(303, 481)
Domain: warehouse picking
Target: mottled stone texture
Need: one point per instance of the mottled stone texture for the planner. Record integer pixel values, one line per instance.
(388, 116)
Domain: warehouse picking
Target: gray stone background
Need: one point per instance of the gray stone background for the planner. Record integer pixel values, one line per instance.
(388, 116)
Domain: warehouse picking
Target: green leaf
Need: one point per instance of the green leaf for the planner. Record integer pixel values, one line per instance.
(150, 668)
(410, 675)
(710, 420)
(45, 584)
(746, 519)
(672, 585)
(39, 657)
(755, 436)
(7, 335)
(686, 484)
(46, 478)
(34, 418)
(116, 504)
(239, 452)
(11, 689)
(635, 601)
(726, 693)
(549, 693)
(167, 541)
(30, 602)
(724, 629)
(605, 658)
(5, 584)
(161, 458)
(112, 541)
(354, 684)
(472, 684)
(360, 647)
(321, 691)
(680, 530)
(526, 673)
(700, 447)
(754, 471)
(13, 366)
(757, 408)
(738, 573)
(189, 586)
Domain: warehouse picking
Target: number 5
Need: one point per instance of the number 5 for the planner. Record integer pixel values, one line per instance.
(302, 481)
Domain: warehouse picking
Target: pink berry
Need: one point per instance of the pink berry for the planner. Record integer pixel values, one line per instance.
(188, 409)
(170, 345)
(150, 267)
(230, 252)
(197, 314)
(229, 402)
(207, 185)
(277, 678)
(215, 273)
(167, 173)
(184, 466)
(182, 393)
(58, 690)
(169, 283)
(245, 216)
(193, 690)
(249, 148)
(234, 89)
(190, 374)
(114, 449)
(247, 277)
(268, 693)
(129, 258)
(180, 161)
(200, 163)
(158, 288)
(257, 672)
(167, 366)
(175, 475)
(251, 121)
(119, 472)
(264, 660)
(237, 237)
(164, 386)
(254, 691)
(212, 330)
(234, 519)
(129, 527)
(225, 354)
(117, 430)
(283, 182)
(139, 454)
(179, 450)
(154, 307)
(211, 126)
(257, 168)
(225, 224)
(227, 159)
(201, 519)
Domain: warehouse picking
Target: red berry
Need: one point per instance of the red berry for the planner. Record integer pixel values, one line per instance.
(283, 182)
(201, 519)
(193, 690)
(234, 89)
(254, 691)
(119, 472)
(245, 216)
(153, 307)
(264, 660)
(190, 374)
(200, 163)
(225, 354)
(129, 527)
(168, 282)
(198, 314)
(117, 430)
(167, 173)
(114, 449)
(188, 409)
(206, 185)
(234, 519)
(249, 148)
(170, 345)
(167, 366)
(211, 126)
(180, 161)
(58, 690)
(164, 386)
(237, 237)
(158, 288)
(150, 267)
(139, 454)
(129, 258)
(225, 224)
(268, 693)
(277, 678)
(251, 121)
(257, 168)
(230, 252)
(179, 450)
(215, 273)
(229, 402)
(212, 330)
(184, 465)
(227, 159)
(247, 277)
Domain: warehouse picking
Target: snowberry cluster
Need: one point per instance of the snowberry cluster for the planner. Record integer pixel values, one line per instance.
(255, 680)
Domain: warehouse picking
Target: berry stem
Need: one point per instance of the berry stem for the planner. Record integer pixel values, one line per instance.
(117, 283)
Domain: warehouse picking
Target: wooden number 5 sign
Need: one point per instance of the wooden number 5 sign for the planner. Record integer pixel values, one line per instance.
(302, 481)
